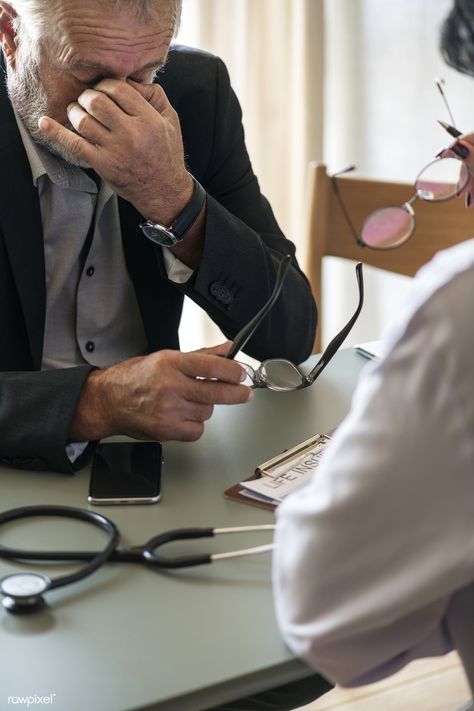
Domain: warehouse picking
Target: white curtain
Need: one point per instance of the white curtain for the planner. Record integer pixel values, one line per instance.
(344, 81)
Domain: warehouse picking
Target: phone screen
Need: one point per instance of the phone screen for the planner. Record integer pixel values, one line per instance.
(126, 473)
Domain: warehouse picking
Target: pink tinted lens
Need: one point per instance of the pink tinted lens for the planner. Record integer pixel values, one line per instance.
(387, 227)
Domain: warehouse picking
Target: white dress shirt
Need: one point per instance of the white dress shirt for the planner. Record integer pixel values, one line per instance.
(374, 560)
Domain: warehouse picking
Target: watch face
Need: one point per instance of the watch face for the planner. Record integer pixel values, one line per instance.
(159, 235)
(169, 236)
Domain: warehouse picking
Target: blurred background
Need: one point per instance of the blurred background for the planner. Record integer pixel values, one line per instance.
(337, 81)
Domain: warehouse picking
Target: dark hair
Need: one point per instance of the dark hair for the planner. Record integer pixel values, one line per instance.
(457, 37)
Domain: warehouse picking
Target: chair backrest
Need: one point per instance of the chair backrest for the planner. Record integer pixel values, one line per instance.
(438, 226)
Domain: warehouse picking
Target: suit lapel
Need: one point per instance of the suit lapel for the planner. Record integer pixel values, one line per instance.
(20, 219)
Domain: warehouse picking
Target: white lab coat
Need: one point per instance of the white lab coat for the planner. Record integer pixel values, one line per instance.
(373, 556)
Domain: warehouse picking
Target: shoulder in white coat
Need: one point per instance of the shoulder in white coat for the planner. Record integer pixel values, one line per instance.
(369, 554)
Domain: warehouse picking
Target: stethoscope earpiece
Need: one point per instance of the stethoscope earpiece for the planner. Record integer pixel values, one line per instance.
(23, 592)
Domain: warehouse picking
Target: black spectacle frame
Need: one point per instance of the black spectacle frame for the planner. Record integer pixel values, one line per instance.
(278, 373)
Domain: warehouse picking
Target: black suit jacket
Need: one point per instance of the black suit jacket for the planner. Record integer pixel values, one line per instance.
(243, 245)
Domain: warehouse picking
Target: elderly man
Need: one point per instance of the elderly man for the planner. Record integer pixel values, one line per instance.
(125, 185)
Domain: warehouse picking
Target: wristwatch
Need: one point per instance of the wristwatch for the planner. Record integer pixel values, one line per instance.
(169, 236)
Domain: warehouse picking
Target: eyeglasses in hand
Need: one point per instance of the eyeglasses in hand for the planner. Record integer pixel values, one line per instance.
(390, 227)
(281, 374)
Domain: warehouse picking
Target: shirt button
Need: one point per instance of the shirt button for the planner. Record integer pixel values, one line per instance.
(90, 271)
(90, 346)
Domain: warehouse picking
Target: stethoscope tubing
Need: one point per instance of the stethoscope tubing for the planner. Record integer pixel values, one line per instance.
(96, 559)
(145, 553)
(23, 592)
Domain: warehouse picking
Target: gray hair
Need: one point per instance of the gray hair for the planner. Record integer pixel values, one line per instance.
(36, 17)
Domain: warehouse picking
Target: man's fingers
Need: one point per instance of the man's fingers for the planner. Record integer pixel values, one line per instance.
(188, 432)
(214, 392)
(204, 365)
(126, 95)
(88, 127)
(221, 349)
(151, 397)
(96, 104)
(154, 95)
(77, 145)
(200, 412)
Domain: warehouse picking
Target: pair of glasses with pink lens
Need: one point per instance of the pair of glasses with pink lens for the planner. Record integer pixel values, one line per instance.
(392, 226)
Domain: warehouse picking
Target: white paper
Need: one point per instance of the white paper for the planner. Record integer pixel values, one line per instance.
(371, 349)
(288, 477)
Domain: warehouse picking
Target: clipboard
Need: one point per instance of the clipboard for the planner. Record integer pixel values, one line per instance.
(287, 471)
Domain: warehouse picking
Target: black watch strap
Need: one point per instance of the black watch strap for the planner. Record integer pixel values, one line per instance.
(169, 236)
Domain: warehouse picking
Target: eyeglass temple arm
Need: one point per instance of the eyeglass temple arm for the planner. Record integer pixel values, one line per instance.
(338, 340)
(249, 329)
(344, 211)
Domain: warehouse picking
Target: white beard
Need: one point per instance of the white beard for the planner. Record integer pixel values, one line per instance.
(29, 98)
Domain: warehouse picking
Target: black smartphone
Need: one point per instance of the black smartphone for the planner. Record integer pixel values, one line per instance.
(126, 473)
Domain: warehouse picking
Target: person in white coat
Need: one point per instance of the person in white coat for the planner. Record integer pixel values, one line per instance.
(374, 559)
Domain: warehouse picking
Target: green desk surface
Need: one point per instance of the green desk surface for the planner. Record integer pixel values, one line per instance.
(132, 638)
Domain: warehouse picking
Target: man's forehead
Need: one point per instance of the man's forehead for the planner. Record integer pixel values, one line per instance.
(85, 32)
(82, 63)
(144, 10)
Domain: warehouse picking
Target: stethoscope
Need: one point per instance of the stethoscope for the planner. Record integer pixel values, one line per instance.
(23, 592)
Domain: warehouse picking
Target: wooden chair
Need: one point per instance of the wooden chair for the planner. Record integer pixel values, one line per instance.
(438, 226)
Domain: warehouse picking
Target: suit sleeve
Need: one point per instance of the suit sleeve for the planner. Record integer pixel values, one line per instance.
(36, 409)
(243, 243)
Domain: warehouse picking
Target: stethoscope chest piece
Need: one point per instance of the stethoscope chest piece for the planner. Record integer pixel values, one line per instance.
(23, 592)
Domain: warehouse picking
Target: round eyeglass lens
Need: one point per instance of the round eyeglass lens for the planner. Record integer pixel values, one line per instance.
(441, 180)
(280, 375)
(387, 227)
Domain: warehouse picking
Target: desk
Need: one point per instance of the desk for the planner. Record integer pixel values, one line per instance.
(129, 637)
